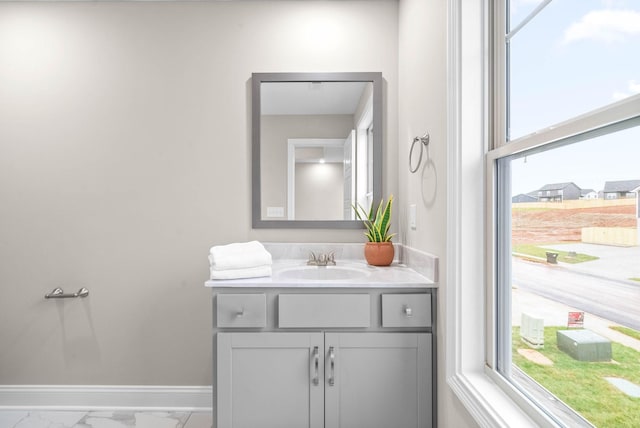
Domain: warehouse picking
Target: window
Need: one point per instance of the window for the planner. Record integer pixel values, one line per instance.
(568, 57)
(565, 275)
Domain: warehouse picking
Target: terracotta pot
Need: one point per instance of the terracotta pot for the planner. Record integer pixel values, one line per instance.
(379, 253)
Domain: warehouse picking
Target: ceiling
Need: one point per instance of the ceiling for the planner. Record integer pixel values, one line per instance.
(291, 98)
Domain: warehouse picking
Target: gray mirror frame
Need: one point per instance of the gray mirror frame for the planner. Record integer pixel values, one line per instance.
(256, 80)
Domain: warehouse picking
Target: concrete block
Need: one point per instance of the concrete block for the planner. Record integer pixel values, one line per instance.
(532, 331)
(584, 345)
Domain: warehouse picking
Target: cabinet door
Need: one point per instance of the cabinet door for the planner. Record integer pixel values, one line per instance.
(268, 380)
(378, 380)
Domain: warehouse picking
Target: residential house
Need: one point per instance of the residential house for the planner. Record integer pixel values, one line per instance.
(522, 197)
(620, 189)
(558, 192)
(588, 194)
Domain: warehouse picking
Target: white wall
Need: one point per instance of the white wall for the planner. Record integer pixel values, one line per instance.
(125, 154)
(422, 106)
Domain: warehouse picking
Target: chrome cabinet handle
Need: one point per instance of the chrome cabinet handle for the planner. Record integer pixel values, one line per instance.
(407, 311)
(316, 356)
(240, 313)
(332, 365)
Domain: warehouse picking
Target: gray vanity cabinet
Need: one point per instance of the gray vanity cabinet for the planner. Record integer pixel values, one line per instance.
(380, 380)
(268, 373)
(264, 380)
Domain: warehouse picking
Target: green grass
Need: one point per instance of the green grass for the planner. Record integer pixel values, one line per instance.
(581, 385)
(628, 331)
(563, 256)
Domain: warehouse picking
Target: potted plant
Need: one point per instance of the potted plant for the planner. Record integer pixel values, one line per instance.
(379, 250)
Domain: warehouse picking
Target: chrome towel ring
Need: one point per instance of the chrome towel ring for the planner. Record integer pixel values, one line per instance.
(424, 142)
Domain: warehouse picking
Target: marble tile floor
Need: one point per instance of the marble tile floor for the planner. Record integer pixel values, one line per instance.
(103, 419)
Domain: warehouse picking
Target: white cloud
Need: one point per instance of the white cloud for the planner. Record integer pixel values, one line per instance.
(633, 88)
(617, 96)
(604, 25)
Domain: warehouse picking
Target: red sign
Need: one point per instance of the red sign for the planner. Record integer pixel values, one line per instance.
(576, 319)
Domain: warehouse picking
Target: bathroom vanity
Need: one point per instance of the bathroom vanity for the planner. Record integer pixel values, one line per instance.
(325, 346)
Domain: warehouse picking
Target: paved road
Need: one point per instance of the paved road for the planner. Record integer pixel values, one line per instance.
(615, 300)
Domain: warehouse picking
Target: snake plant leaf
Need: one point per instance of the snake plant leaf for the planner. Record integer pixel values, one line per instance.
(377, 223)
(377, 234)
(385, 219)
(362, 214)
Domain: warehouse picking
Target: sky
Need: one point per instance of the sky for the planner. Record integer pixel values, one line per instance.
(574, 57)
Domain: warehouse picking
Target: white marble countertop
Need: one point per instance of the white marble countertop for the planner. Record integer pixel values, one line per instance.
(347, 274)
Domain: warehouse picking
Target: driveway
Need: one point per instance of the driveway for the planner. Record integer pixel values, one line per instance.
(619, 263)
(601, 288)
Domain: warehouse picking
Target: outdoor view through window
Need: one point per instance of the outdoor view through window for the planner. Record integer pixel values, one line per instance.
(576, 277)
(572, 280)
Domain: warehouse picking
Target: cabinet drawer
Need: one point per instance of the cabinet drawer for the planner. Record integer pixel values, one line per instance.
(241, 310)
(324, 310)
(406, 310)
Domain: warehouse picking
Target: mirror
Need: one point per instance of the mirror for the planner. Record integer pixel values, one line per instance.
(316, 148)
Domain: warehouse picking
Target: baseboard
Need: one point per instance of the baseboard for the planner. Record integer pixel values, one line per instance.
(89, 397)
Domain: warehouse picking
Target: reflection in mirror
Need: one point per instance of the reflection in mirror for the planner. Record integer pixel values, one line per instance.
(316, 148)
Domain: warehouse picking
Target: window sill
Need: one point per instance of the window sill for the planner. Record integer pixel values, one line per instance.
(489, 405)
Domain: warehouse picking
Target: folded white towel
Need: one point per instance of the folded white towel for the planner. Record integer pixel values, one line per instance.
(239, 256)
(254, 272)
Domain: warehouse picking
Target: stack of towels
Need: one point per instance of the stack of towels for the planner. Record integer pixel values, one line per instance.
(240, 260)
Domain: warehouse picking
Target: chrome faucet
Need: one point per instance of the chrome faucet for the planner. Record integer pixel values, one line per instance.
(321, 259)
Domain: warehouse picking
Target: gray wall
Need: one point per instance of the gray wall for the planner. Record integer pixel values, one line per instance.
(320, 191)
(275, 132)
(422, 107)
(125, 154)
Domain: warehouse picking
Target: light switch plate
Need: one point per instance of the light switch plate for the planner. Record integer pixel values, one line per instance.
(275, 212)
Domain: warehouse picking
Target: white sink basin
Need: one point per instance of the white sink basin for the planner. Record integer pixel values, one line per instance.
(323, 273)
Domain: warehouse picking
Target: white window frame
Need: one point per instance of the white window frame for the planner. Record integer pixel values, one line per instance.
(466, 338)
(470, 295)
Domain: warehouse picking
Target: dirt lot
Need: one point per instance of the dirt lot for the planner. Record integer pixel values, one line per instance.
(531, 226)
